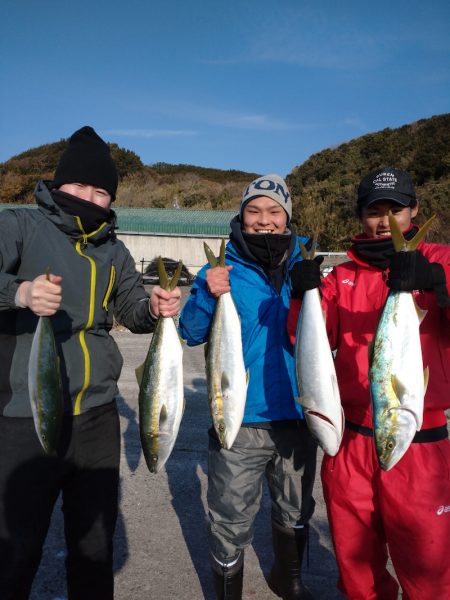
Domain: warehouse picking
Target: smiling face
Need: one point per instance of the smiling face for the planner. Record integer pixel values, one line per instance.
(264, 215)
(89, 193)
(375, 218)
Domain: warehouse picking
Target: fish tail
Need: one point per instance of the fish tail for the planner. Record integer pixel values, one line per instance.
(305, 254)
(163, 279)
(210, 255)
(175, 277)
(222, 254)
(400, 243)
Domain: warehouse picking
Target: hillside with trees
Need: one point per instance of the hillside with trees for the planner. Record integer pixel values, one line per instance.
(323, 187)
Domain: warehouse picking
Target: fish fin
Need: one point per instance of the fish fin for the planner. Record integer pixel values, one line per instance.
(412, 244)
(335, 385)
(224, 383)
(398, 386)
(407, 416)
(370, 348)
(400, 243)
(306, 402)
(163, 279)
(222, 254)
(342, 422)
(175, 277)
(421, 314)
(400, 392)
(426, 379)
(210, 255)
(304, 252)
(397, 236)
(163, 414)
(139, 371)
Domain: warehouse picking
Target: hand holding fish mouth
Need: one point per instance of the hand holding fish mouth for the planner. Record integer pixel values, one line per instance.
(218, 281)
(43, 295)
(165, 303)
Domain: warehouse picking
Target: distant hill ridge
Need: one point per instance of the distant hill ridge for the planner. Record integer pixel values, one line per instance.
(323, 187)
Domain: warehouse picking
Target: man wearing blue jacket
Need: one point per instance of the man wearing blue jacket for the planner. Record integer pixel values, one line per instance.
(273, 440)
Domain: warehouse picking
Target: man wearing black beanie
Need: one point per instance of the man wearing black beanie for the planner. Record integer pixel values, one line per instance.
(92, 279)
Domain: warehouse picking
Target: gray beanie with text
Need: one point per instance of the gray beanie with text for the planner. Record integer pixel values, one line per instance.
(273, 186)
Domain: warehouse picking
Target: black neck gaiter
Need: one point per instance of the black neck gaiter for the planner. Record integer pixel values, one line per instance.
(91, 215)
(269, 249)
(378, 252)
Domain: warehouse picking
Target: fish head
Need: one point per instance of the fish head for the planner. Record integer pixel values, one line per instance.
(221, 432)
(388, 451)
(393, 439)
(327, 433)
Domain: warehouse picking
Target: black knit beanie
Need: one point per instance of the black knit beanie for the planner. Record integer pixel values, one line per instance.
(87, 159)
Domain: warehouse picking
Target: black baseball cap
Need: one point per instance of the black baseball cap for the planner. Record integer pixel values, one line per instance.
(387, 183)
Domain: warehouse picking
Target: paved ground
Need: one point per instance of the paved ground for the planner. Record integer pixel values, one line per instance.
(160, 542)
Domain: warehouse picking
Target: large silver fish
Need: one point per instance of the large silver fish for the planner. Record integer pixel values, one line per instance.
(45, 387)
(160, 378)
(316, 376)
(225, 370)
(397, 379)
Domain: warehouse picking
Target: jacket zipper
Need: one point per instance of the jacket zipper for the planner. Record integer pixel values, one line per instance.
(112, 279)
(82, 335)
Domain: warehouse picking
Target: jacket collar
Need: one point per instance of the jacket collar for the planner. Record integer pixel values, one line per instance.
(66, 223)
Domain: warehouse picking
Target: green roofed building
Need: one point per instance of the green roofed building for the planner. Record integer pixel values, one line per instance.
(174, 221)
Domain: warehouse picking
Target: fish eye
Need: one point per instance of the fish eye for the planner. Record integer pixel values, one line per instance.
(390, 445)
(222, 427)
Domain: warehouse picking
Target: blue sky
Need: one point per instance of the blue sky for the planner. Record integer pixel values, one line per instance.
(255, 85)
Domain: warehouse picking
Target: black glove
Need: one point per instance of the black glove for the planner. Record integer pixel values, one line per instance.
(305, 275)
(410, 271)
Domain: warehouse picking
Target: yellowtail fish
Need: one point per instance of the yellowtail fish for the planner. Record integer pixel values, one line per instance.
(44, 386)
(316, 376)
(160, 378)
(397, 378)
(225, 370)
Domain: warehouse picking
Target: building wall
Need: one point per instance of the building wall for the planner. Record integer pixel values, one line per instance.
(189, 249)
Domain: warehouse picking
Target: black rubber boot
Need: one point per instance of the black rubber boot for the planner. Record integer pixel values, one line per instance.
(228, 577)
(285, 579)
